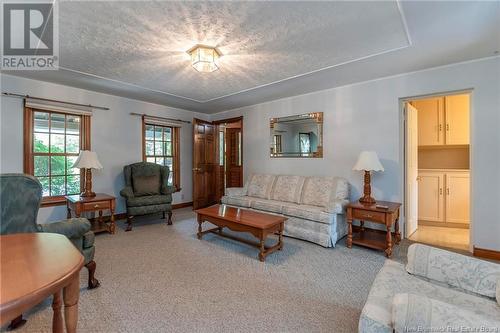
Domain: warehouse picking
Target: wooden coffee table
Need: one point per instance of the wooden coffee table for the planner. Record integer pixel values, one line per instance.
(35, 266)
(258, 224)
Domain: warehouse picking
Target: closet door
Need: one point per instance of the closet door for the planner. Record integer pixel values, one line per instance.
(430, 196)
(457, 119)
(430, 121)
(457, 197)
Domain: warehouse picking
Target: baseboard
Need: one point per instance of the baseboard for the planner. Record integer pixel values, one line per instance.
(444, 224)
(182, 205)
(485, 253)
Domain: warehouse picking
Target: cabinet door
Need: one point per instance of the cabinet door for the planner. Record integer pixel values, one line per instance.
(430, 121)
(457, 119)
(457, 197)
(430, 196)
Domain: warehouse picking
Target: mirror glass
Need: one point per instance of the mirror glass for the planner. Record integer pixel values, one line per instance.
(297, 136)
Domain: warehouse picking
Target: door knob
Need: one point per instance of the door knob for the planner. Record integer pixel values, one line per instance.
(196, 169)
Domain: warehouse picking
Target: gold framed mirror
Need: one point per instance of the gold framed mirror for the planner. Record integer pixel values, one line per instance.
(297, 136)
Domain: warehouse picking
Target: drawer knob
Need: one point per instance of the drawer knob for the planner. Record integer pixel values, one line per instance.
(368, 215)
(96, 206)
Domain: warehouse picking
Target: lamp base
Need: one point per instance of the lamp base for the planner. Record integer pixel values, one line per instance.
(87, 194)
(367, 200)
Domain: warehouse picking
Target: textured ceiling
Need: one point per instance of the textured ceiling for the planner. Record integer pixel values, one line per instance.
(271, 49)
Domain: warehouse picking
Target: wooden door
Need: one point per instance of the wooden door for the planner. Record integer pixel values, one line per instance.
(204, 164)
(234, 170)
(411, 169)
(430, 121)
(457, 197)
(431, 196)
(457, 110)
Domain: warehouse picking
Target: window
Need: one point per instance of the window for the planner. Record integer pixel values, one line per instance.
(53, 141)
(161, 146)
(277, 144)
(305, 143)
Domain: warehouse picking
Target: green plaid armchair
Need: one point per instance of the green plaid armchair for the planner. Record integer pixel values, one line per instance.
(20, 197)
(146, 190)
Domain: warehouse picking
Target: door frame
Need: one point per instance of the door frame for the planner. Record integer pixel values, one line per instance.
(224, 121)
(404, 155)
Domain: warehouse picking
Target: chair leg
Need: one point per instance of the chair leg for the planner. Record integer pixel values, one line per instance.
(17, 322)
(163, 213)
(169, 221)
(93, 282)
(129, 223)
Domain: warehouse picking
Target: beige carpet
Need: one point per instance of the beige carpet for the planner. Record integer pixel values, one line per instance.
(160, 278)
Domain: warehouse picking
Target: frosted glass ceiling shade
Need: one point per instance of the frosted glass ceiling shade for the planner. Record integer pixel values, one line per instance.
(88, 160)
(368, 161)
(204, 58)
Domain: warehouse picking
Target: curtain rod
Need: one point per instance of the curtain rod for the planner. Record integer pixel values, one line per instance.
(157, 117)
(53, 100)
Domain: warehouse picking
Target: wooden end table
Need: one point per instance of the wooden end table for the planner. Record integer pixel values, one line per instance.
(375, 239)
(258, 224)
(100, 202)
(35, 266)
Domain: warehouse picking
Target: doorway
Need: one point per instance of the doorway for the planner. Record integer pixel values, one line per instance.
(437, 170)
(217, 159)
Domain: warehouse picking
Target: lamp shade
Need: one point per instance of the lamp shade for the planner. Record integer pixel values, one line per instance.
(368, 161)
(88, 160)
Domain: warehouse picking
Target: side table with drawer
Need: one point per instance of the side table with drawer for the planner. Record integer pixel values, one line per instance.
(375, 239)
(100, 202)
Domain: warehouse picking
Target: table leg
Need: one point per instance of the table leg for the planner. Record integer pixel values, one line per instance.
(362, 225)
(71, 293)
(262, 250)
(112, 226)
(388, 240)
(200, 221)
(57, 319)
(396, 231)
(68, 214)
(349, 233)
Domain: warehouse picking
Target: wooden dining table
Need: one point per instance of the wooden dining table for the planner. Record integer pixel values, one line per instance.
(35, 266)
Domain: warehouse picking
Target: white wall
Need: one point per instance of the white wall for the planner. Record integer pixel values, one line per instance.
(115, 136)
(367, 116)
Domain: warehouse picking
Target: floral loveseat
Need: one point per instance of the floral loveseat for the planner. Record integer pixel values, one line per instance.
(439, 291)
(314, 206)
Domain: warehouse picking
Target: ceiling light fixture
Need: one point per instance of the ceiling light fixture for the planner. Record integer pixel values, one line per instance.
(204, 58)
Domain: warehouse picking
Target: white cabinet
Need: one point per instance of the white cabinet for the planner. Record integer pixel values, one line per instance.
(443, 120)
(443, 196)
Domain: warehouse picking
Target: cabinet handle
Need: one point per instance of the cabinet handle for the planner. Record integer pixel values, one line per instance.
(440, 127)
(440, 191)
(447, 127)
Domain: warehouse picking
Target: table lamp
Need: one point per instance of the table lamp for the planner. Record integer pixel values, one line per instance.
(368, 161)
(87, 160)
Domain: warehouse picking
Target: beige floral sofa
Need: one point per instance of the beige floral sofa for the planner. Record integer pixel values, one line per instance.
(437, 291)
(314, 206)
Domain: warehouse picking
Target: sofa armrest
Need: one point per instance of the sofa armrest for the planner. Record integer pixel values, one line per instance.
(236, 191)
(88, 239)
(71, 228)
(337, 206)
(456, 270)
(168, 189)
(127, 192)
(416, 313)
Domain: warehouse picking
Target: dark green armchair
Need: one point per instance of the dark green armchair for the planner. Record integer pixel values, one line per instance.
(146, 190)
(20, 197)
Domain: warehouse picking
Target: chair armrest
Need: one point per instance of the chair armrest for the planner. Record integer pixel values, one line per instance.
(457, 270)
(88, 239)
(337, 206)
(127, 192)
(416, 313)
(168, 189)
(236, 191)
(71, 228)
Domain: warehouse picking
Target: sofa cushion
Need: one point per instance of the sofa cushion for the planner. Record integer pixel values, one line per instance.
(267, 205)
(320, 191)
(288, 188)
(392, 279)
(243, 201)
(312, 213)
(146, 185)
(260, 186)
(149, 200)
